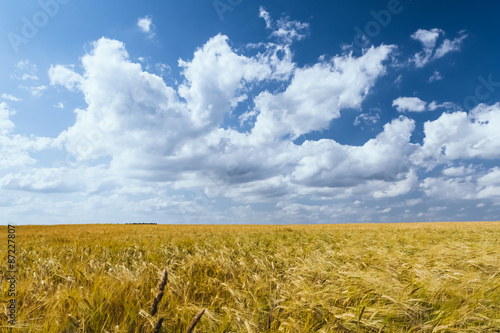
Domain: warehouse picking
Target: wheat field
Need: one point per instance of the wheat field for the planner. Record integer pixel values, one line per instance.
(419, 277)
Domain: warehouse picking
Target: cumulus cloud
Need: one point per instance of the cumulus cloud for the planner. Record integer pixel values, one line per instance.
(15, 149)
(284, 29)
(436, 76)
(489, 184)
(367, 118)
(175, 136)
(266, 16)
(329, 164)
(458, 135)
(412, 104)
(146, 25)
(208, 100)
(457, 171)
(141, 146)
(5, 123)
(400, 187)
(432, 106)
(26, 71)
(466, 186)
(415, 104)
(58, 179)
(316, 94)
(462, 188)
(64, 75)
(449, 46)
(428, 39)
(125, 105)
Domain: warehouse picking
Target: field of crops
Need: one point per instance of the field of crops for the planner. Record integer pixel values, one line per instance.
(439, 277)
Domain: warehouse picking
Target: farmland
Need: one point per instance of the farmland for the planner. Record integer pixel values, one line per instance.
(419, 277)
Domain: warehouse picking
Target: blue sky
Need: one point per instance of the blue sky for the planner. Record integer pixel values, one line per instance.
(246, 112)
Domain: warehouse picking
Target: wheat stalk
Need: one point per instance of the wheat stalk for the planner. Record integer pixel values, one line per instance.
(158, 326)
(161, 287)
(195, 321)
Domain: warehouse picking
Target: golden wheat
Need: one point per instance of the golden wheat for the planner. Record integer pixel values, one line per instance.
(439, 277)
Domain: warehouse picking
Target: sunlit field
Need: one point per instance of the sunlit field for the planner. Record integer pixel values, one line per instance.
(435, 277)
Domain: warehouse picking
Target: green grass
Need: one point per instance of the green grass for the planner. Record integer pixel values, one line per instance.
(439, 277)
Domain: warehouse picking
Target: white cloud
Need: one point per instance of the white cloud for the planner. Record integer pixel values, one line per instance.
(36, 91)
(413, 202)
(415, 104)
(460, 135)
(162, 69)
(398, 188)
(489, 184)
(10, 98)
(316, 94)
(59, 105)
(245, 117)
(209, 102)
(123, 103)
(466, 187)
(457, 171)
(437, 209)
(432, 106)
(328, 164)
(65, 75)
(492, 178)
(58, 179)
(179, 142)
(436, 76)
(266, 16)
(398, 80)
(26, 64)
(27, 77)
(411, 104)
(429, 39)
(462, 188)
(367, 118)
(26, 71)
(168, 151)
(5, 123)
(15, 149)
(449, 46)
(284, 29)
(146, 25)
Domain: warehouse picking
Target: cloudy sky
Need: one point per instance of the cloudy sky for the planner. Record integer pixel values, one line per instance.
(235, 111)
